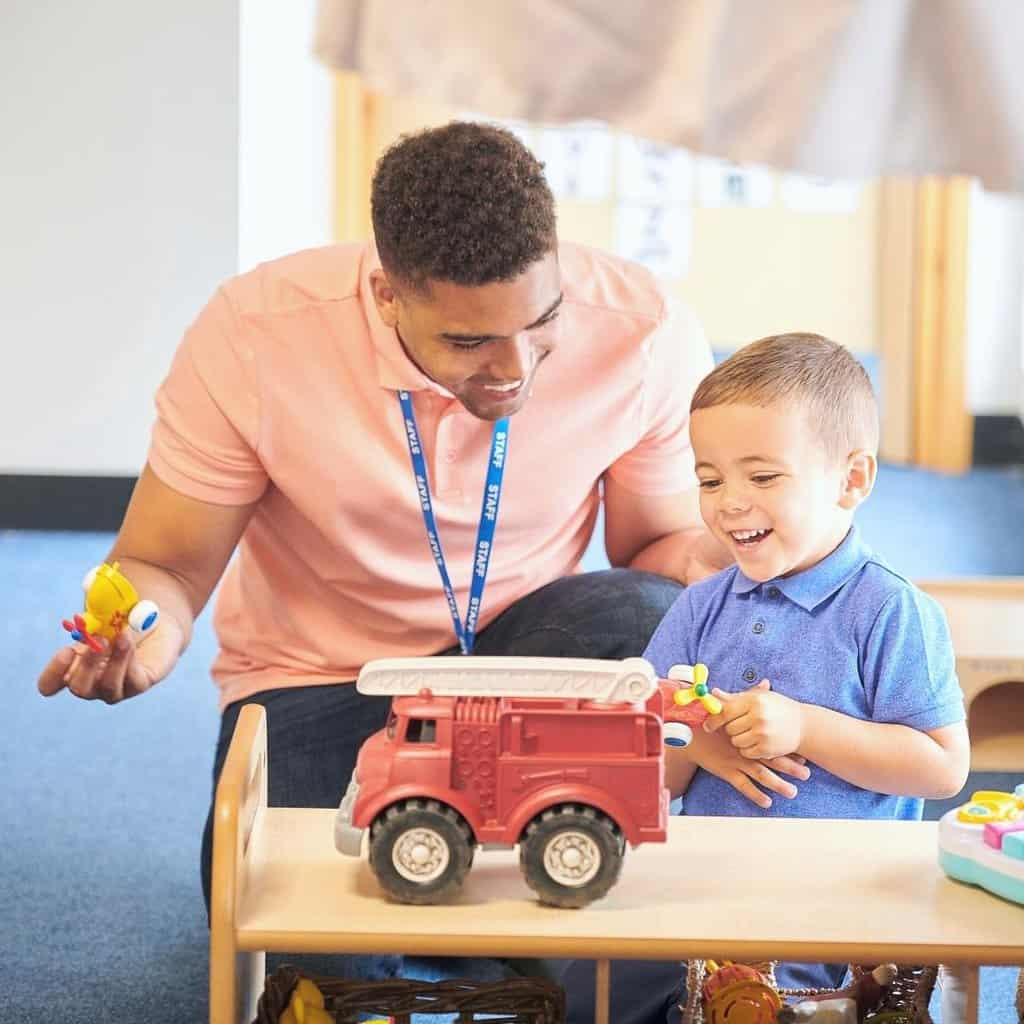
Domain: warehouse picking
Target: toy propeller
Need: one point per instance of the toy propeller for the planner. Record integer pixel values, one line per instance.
(79, 633)
(698, 690)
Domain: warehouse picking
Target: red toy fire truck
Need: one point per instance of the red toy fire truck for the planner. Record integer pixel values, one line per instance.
(564, 757)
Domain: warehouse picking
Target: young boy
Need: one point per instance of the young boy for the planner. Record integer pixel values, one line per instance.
(815, 646)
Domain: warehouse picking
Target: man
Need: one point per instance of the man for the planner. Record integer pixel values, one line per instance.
(330, 411)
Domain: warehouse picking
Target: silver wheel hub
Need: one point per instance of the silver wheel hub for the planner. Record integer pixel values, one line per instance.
(571, 858)
(420, 855)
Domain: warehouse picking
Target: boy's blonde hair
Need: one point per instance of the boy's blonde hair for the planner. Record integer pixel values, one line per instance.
(808, 370)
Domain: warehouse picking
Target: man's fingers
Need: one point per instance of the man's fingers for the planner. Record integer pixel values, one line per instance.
(90, 677)
(52, 678)
(111, 684)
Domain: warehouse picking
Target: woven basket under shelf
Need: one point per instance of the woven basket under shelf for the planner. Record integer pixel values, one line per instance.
(909, 993)
(515, 1001)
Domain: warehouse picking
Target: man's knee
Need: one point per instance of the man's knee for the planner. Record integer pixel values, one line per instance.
(608, 614)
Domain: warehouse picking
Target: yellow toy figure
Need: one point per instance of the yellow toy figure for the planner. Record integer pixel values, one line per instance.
(111, 603)
(306, 1006)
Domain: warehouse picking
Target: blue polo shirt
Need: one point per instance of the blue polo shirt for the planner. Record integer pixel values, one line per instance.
(848, 634)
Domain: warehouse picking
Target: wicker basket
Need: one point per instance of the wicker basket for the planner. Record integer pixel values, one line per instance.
(908, 995)
(516, 1001)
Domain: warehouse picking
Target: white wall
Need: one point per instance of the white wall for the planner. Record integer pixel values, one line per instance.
(995, 305)
(118, 215)
(286, 136)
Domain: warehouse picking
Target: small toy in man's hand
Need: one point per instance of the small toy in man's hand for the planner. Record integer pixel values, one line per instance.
(111, 603)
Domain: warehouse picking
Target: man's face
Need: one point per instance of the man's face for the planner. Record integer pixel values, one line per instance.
(483, 343)
(768, 489)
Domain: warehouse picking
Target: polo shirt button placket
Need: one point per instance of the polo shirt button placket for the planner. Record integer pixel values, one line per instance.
(750, 675)
(758, 627)
(773, 591)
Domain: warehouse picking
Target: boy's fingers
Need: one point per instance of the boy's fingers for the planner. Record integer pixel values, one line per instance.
(767, 778)
(745, 742)
(752, 793)
(733, 707)
(737, 726)
(790, 764)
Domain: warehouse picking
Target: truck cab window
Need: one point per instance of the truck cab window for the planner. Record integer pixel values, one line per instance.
(421, 730)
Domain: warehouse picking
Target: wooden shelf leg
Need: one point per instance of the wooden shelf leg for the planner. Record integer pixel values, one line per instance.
(601, 998)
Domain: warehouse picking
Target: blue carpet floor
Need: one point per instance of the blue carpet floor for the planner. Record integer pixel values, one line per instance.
(103, 807)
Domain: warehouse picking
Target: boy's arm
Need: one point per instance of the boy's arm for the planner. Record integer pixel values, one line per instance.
(884, 758)
(679, 770)
(917, 744)
(716, 755)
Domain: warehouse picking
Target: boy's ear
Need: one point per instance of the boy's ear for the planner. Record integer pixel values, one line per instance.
(859, 479)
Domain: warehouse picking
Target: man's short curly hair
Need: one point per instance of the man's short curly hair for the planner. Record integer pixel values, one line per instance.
(465, 203)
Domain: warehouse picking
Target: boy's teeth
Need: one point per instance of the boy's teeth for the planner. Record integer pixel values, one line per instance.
(748, 534)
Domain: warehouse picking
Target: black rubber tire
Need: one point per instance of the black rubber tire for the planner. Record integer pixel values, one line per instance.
(601, 837)
(446, 826)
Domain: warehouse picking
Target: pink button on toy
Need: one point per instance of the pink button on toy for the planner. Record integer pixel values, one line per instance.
(995, 830)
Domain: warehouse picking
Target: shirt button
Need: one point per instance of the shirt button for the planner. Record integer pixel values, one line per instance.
(449, 456)
(758, 627)
(750, 675)
(773, 591)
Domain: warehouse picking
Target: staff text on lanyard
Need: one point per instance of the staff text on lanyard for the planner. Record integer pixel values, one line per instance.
(466, 634)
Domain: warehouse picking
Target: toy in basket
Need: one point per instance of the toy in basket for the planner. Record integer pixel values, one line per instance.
(982, 842)
(564, 757)
(736, 993)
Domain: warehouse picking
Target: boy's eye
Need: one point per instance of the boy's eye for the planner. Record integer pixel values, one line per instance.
(765, 478)
(707, 485)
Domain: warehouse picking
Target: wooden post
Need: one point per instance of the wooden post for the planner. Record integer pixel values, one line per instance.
(352, 159)
(896, 234)
(942, 425)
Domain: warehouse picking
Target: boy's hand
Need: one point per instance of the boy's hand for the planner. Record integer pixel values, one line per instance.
(760, 724)
(715, 754)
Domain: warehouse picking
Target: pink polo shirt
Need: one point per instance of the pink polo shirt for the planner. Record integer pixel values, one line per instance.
(284, 390)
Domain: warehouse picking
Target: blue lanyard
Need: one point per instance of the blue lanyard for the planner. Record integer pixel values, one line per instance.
(488, 520)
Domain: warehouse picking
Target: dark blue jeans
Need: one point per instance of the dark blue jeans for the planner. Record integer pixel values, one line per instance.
(314, 732)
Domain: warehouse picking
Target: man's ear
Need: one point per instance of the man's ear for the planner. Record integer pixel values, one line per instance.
(385, 297)
(859, 478)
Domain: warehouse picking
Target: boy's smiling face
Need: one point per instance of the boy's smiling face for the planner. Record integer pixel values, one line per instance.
(770, 491)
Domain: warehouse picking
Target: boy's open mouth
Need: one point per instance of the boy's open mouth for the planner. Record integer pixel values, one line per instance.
(748, 538)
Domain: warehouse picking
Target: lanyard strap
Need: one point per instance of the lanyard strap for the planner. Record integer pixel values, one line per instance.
(488, 520)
